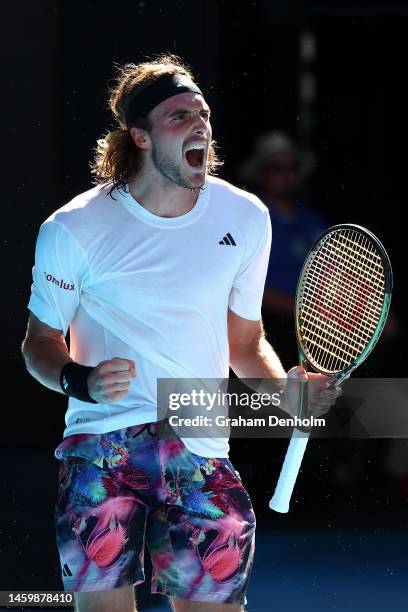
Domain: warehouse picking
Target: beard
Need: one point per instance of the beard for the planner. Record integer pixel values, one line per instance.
(173, 171)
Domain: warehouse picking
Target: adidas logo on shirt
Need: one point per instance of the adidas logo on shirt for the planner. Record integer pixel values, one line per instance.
(228, 239)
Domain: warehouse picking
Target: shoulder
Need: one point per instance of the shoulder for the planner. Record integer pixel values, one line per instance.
(81, 208)
(237, 199)
(89, 216)
(241, 210)
(74, 225)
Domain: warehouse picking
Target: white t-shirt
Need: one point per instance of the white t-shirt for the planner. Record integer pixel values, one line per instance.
(130, 284)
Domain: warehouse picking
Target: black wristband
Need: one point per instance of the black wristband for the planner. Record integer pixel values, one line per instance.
(73, 381)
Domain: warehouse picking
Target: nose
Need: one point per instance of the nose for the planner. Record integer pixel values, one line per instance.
(200, 124)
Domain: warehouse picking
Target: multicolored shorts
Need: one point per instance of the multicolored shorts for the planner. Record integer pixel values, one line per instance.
(118, 489)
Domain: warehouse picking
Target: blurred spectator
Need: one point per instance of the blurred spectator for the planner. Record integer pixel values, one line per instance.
(276, 172)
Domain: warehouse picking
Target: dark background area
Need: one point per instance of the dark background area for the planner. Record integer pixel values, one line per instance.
(57, 63)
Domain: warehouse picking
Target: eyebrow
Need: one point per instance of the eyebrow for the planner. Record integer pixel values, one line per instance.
(187, 111)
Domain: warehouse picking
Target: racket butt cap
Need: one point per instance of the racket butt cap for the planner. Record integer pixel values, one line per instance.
(279, 506)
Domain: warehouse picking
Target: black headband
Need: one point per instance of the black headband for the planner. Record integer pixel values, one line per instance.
(143, 98)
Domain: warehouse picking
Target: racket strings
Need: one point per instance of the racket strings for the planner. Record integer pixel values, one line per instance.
(322, 344)
(354, 248)
(325, 352)
(371, 309)
(349, 275)
(343, 341)
(309, 305)
(341, 299)
(327, 344)
(351, 269)
(374, 298)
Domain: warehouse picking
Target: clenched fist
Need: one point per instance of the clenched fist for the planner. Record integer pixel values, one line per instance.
(109, 381)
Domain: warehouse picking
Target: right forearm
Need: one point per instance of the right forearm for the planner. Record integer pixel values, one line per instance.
(44, 359)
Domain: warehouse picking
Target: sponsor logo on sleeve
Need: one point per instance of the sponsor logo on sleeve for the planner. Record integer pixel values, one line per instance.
(59, 282)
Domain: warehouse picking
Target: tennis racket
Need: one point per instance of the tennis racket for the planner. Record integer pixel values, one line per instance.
(342, 302)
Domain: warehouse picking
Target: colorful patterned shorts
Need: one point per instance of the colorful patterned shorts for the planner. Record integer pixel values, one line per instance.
(121, 488)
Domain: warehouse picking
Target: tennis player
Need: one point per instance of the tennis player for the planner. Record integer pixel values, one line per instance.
(157, 272)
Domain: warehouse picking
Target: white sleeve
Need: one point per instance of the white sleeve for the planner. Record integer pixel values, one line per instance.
(61, 270)
(249, 282)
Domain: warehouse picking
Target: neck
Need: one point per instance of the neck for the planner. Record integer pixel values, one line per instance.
(161, 196)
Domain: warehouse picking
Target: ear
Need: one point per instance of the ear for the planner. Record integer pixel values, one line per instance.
(140, 137)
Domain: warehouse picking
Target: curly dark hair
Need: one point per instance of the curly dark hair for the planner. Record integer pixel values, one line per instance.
(117, 158)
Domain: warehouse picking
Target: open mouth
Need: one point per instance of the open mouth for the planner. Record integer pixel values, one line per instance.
(195, 155)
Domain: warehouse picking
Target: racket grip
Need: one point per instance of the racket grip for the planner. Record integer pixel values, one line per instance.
(290, 469)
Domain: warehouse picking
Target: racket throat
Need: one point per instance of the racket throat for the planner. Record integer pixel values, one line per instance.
(303, 395)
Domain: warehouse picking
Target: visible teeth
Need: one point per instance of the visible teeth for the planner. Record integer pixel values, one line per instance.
(198, 147)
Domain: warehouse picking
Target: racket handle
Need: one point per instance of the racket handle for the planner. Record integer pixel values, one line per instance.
(290, 469)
